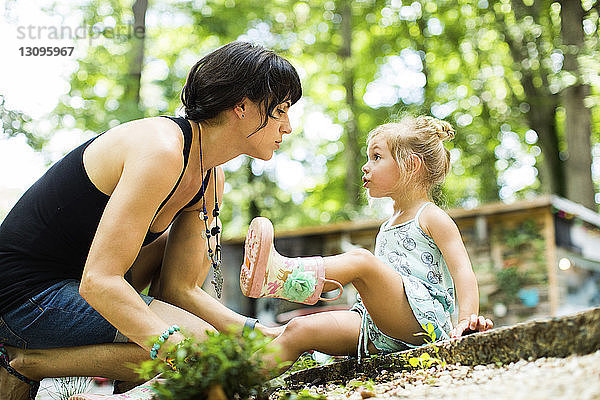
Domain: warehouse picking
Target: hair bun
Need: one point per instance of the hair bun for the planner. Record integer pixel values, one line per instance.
(442, 129)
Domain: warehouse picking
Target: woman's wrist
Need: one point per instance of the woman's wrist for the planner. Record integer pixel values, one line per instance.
(165, 342)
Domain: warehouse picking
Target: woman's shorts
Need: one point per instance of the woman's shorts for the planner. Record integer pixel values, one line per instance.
(58, 317)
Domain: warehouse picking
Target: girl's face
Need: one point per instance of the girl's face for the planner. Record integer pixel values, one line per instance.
(268, 139)
(381, 173)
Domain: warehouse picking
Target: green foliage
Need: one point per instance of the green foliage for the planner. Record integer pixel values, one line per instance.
(305, 361)
(524, 252)
(425, 360)
(15, 122)
(221, 359)
(356, 383)
(429, 333)
(301, 395)
(526, 236)
(510, 281)
(492, 69)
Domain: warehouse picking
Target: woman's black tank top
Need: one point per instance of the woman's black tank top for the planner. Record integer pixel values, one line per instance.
(47, 235)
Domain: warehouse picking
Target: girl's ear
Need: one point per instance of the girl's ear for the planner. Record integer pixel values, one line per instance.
(415, 163)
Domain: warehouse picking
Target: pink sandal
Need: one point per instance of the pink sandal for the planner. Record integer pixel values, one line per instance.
(265, 273)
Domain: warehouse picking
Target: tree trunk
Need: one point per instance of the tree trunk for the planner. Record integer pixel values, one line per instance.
(542, 119)
(133, 83)
(580, 187)
(352, 148)
(542, 113)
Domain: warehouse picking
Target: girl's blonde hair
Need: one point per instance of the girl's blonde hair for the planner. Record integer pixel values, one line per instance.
(424, 137)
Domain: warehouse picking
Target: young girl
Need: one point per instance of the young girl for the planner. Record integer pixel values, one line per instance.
(409, 282)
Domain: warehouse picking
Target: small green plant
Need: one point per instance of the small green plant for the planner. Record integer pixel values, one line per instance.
(305, 361)
(225, 359)
(356, 383)
(302, 395)
(425, 360)
(429, 333)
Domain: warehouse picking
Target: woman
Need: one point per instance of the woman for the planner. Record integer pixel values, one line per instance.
(122, 211)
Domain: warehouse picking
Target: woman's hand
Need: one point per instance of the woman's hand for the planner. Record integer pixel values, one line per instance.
(472, 324)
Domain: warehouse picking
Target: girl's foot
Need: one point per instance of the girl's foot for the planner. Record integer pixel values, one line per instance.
(266, 273)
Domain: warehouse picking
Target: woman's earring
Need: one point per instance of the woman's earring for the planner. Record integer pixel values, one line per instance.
(242, 115)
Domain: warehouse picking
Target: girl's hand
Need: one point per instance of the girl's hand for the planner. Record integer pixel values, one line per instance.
(469, 325)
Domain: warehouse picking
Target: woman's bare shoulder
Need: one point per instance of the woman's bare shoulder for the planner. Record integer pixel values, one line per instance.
(154, 134)
(154, 145)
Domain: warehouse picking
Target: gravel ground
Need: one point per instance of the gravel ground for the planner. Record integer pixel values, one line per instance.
(573, 378)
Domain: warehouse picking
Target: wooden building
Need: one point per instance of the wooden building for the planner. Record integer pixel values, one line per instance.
(532, 258)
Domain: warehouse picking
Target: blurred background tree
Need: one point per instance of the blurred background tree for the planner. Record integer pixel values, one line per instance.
(518, 79)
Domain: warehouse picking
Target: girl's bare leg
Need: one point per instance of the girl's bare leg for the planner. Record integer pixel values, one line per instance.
(336, 332)
(332, 332)
(381, 289)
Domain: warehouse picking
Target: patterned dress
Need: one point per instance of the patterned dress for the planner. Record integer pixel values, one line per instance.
(427, 283)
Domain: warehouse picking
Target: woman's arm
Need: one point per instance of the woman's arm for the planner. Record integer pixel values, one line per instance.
(446, 236)
(185, 265)
(148, 175)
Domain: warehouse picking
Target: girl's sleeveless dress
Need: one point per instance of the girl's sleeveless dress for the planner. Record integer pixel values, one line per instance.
(427, 282)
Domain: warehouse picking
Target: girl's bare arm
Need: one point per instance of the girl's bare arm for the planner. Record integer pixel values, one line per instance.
(446, 236)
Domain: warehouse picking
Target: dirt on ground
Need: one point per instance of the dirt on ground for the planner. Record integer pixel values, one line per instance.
(576, 377)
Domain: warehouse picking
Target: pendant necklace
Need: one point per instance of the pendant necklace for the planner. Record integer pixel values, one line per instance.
(215, 256)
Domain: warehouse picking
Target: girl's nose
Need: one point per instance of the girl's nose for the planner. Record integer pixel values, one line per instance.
(364, 168)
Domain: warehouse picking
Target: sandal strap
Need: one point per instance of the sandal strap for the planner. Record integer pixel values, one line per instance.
(339, 285)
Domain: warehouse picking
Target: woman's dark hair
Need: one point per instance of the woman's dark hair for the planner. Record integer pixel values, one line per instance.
(236, 71)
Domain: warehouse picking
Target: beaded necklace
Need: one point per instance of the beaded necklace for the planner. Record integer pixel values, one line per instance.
(215, 256)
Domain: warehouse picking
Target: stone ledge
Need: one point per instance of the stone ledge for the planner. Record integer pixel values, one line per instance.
(557, 337)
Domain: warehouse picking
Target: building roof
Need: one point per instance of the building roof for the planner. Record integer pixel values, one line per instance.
(544, 201)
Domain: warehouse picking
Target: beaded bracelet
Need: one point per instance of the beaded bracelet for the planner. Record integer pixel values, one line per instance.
(161, 339)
